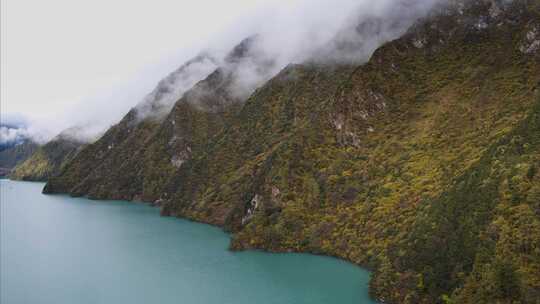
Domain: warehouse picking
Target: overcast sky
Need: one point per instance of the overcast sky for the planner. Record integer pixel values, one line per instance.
(62, 60)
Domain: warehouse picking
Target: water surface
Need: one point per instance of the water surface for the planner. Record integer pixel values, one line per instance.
(63, 250)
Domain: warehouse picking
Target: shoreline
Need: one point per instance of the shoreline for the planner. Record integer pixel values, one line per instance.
(231, 235)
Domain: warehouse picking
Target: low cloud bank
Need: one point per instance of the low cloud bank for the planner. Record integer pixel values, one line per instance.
(317, 31)
(320, 32)
(169, 90)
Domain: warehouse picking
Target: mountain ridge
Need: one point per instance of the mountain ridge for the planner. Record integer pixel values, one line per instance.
(12, 155)
(418, 164)
(47, 160)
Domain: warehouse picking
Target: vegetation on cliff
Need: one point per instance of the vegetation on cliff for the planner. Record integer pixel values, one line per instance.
(422, 164)
(135, 158)
(11, 156)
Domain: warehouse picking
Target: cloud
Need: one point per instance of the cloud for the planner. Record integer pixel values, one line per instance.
(319, 32)
(292, 31)
(159, 102)
(10, 135)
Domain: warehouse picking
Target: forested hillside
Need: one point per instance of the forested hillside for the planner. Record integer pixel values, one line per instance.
(421, 164)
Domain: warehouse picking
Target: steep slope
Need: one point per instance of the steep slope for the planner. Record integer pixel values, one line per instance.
(480, 238)
(114, 155)
(392, 165)
(13, 155)
(420, 164)
(133, 161)
(48, 160)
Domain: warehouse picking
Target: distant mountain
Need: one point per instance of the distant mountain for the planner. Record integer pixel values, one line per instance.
(15, 144)
(12, 134)
(48, 160)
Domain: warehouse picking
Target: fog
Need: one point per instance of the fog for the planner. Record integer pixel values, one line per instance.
(321, 32)
(317, 31)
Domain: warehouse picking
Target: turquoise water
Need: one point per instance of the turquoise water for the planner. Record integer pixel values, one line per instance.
(60, 250)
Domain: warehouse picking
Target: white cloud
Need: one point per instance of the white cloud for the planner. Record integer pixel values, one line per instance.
(67, 62)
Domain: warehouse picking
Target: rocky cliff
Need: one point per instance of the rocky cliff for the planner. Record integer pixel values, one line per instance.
(421, 164)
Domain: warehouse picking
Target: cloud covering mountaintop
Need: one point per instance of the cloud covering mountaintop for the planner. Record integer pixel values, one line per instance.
(329, 32)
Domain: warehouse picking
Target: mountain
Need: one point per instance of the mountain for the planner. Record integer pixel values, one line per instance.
(13, 154)
(135, 158)
(12, 133)
(16, 145)
(49, 159)
(421, 164)
(159, 102)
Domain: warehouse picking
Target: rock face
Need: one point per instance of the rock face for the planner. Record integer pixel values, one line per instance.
(11, 156)
(49, 159)
(422, 164)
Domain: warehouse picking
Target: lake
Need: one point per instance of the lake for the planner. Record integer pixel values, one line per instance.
(60, 250)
